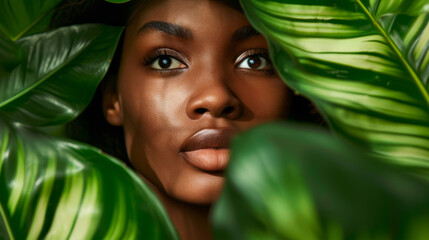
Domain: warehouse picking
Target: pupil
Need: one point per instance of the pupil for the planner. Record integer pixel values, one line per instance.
(164, 62)
(254, 62)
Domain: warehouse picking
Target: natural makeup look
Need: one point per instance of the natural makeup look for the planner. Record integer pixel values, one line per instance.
(192, 74)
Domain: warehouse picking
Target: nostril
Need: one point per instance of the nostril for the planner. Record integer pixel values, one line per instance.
(228, 110)
(201, 110)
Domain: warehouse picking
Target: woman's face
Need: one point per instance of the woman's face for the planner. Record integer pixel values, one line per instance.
(192, 74)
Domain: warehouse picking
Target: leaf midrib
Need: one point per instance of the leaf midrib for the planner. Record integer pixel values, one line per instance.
(413, 74)
(34, 23)
(27, 29)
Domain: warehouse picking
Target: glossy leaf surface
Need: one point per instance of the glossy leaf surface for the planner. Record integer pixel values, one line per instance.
(294, 182)
(364, 63)
(21, 17)
(58, 75)
(58, 189)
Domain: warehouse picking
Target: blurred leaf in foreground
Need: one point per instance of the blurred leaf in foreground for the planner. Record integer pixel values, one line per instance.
(295, 182)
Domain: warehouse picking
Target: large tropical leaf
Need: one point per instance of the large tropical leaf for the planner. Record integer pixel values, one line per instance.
(21, 17)
(364, 63)
(294, 182)
(58, 189)
(59, 74)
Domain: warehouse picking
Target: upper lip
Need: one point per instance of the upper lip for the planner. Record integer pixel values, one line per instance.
(215, 138)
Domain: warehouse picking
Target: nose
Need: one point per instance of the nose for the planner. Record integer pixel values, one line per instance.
(214, 97)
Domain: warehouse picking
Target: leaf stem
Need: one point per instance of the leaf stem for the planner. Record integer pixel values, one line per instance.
(419, 83)
(35, 22)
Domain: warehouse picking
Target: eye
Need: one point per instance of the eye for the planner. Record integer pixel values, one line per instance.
(254, 59)
(166, 62)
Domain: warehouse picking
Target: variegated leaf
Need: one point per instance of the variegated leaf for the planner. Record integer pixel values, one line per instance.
(363, 63)
(58, 189)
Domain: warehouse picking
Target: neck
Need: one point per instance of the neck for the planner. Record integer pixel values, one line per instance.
(191, 220)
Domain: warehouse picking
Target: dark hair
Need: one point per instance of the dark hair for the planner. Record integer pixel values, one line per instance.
(91, 126)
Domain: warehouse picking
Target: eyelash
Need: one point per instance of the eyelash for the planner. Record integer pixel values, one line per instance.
(161, 52)
(169, 53)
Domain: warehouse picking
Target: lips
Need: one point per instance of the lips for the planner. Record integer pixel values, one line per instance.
(208, 149)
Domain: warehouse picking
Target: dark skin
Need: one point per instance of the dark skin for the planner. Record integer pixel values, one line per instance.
(191, 68)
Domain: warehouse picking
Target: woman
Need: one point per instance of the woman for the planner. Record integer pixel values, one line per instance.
(191, 74)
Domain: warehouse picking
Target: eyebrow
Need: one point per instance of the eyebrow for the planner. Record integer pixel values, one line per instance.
(185, 33)
(244, 33)
(169, 28)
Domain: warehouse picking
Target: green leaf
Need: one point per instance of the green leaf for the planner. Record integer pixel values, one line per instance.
(59, 189)
(295, 182)
(365, 64)
(21, 17)
(59, 74)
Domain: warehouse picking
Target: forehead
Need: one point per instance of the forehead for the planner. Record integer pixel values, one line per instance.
(197, 15)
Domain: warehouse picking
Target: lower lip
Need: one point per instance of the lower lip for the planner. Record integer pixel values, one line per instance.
(208, 159)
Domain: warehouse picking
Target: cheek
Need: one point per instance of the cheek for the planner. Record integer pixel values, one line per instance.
(155, 127)
(265, 99)
(147, 104)
(139, 125)
(155, 124)
(151, 124)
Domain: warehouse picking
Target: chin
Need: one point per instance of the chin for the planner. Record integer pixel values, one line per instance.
(203, 189)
